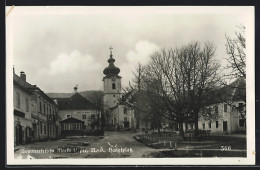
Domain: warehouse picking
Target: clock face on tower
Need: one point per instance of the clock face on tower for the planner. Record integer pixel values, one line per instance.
(113, 79)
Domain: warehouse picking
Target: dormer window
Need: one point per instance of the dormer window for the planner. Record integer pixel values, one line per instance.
(113, 86)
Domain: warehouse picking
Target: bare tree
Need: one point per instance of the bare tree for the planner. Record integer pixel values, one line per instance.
(97, 99)
(181, 78)
(138, 98)
(235, 48)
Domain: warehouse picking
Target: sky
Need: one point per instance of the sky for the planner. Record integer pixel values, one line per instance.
(59, 47)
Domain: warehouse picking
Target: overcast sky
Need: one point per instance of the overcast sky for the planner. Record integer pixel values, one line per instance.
(59, 47)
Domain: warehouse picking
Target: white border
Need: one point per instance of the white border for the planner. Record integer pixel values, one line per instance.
(250, 92)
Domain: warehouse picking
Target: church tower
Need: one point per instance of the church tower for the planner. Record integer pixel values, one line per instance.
(112, 83)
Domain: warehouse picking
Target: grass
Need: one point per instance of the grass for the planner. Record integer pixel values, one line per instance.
(210, 146)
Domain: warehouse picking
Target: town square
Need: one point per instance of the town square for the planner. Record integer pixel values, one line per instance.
(129, 82)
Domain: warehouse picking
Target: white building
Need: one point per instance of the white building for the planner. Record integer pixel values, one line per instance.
(228, 112)
(118, 116)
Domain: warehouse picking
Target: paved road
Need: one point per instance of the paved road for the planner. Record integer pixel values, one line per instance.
(113, 145)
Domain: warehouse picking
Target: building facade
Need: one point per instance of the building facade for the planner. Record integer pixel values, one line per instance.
(229, 118)
(35, 114)
(76, 107)
(226, 113)
(45, 116)
(22, 111)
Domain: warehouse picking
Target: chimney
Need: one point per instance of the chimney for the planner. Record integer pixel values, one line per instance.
(23, 76)
(76, 89)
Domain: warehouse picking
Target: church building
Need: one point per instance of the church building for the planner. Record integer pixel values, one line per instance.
(118, 116)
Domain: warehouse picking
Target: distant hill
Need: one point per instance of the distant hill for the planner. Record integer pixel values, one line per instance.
(87, 94)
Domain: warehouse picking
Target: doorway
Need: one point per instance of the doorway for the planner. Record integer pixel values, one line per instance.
(224, 126)
(19, 135)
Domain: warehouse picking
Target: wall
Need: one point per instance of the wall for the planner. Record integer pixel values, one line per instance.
(24, 122)
(111, 95)
(120, 114)
(231, 116)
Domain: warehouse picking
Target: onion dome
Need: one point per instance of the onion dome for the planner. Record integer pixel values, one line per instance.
(111, 69)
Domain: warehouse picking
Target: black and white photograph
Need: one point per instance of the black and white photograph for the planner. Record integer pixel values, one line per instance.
(153, 85)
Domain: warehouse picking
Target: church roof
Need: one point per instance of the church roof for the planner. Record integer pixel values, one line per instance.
(111, 70)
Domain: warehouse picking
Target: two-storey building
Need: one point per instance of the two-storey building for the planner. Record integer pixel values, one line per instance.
(22, 110)
(35, 114)
(77, 115)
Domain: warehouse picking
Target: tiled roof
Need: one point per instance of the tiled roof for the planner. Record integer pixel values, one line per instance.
(29, 88)
(75, 102)
(86, 94)
(233, 92)
(19, 81)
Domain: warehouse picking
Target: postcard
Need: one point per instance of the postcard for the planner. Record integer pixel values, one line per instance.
(130, 85)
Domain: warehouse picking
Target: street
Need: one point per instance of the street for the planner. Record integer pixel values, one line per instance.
(112, 145)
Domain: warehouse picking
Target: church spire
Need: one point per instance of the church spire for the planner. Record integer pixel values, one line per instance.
(111, 48)
(111, 69)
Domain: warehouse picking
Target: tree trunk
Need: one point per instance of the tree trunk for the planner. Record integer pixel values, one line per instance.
(102, 121)
(159, 126)
(196, 121)
(146, 126)
(181, 133)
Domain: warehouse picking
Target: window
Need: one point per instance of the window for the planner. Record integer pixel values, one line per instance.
(225, 107)
(44, 108)
(203, 125)
(45, 128)
(68, 116)
(125, 119)
(125, 110)
(209, 125)
(216, 124)
(47, 110)
(241, 122)
(216, 109)
(50, 129)
(84, 116)
(176, 127)
(41, 127)
(40, 107)
(92, 116)
(18, 102)
(27, 104)
(240, 107)
(80, 126)
(113, 86)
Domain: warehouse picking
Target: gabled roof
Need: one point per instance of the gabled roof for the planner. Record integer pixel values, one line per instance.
(235, 91)
(30, 88)
(86, 94)
(71, 120)
(75, 102)
(21, 83)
